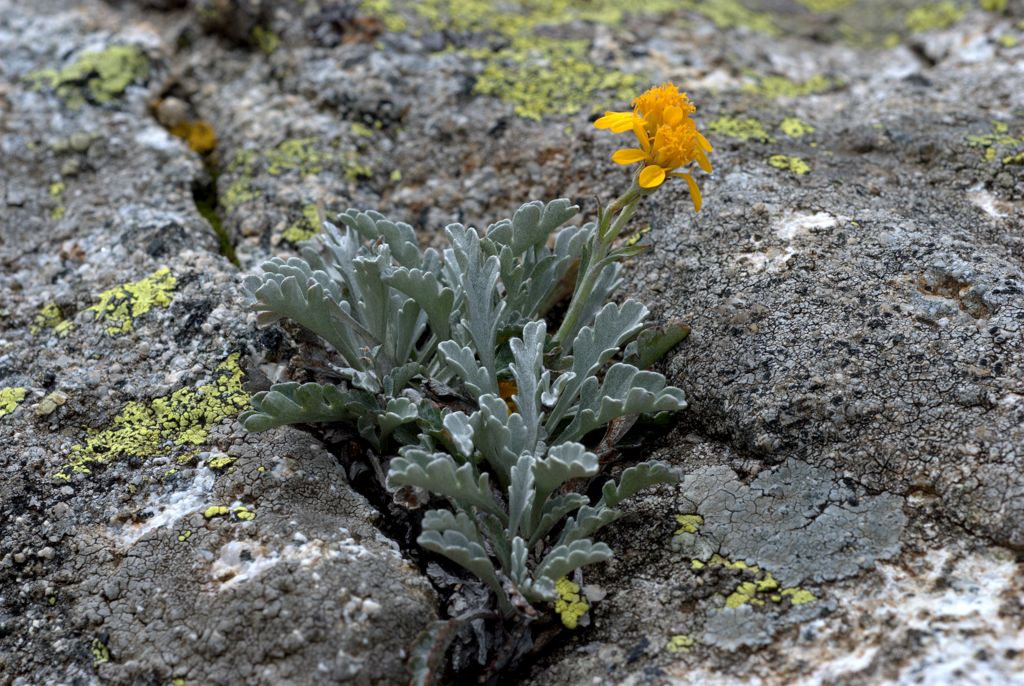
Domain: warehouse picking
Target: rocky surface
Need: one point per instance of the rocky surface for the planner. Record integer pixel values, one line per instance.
(853, 485)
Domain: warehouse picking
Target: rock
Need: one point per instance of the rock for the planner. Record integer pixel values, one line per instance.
(852, 489)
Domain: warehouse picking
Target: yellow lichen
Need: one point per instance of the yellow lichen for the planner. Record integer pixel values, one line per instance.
(184, 535)
(97, 76)
(164, 425)
(727, 14)
(570, 605)
(740, 128)
(50, 317)
(994, 5)
(220, 462)
(10, 398)
(756, 590)
(679, 643)
(240, 190)
(794, 127)
(781, 87)
(300, 154)
(215, 511)
(57, 192)
(100, 652)
(243, 513)
(934, 16)
(119, 306)
(787, 163)
(825, 5)
(266, 40)
(688, 523)
(304, 228)
(999, 142)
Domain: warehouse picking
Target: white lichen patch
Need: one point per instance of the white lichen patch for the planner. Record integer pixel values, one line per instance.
(792, 225)
(241, 561)
(168, 509)
(988, 203)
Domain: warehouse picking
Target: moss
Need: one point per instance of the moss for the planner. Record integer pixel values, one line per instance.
(688, 523)
(169, 424)
(266, 40)
(215, 511)
(781, 87)
(794, 127)
(121, 305)
(934, 16)
(98, 77)
(787, 163)
(740, 128)
(50, 317)
(680, 643)
(57, 194)
(305, 227)
(570, 605)
(10, 398)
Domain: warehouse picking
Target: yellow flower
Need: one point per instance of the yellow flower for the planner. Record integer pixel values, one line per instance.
(669, 139)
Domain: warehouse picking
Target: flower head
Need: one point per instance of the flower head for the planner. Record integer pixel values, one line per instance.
(668, 138)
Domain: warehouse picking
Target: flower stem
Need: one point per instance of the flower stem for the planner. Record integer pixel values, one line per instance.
(610, 224)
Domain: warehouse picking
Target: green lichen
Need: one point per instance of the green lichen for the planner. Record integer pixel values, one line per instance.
(934, 16)
(688, 523)
(50, 317)
(98, 77)
(166, 425)
(680, 643)
(1008, 41)
(215, 511)
(305, 227)
(794, 127)
(10, 398)
(570, 605)
(741, 129)
(362, 130)
(781, 87)
(121, 305)
(994, 5)
(788, 163)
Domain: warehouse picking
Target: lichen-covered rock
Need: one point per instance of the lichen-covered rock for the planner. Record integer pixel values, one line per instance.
(851, 458)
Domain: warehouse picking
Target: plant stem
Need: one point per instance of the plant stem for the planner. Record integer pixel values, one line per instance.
(607, 231)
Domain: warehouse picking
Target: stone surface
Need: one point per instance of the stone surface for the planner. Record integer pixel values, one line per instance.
(852, 497)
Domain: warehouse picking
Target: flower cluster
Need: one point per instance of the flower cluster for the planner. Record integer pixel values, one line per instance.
(669, 140)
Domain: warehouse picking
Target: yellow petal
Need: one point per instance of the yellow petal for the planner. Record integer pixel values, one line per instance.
(652, 176)
(702, 160)
(694, 192)
(641, 134)
(704, 142)
(672, 116)
(629, 156)
(617, 122)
